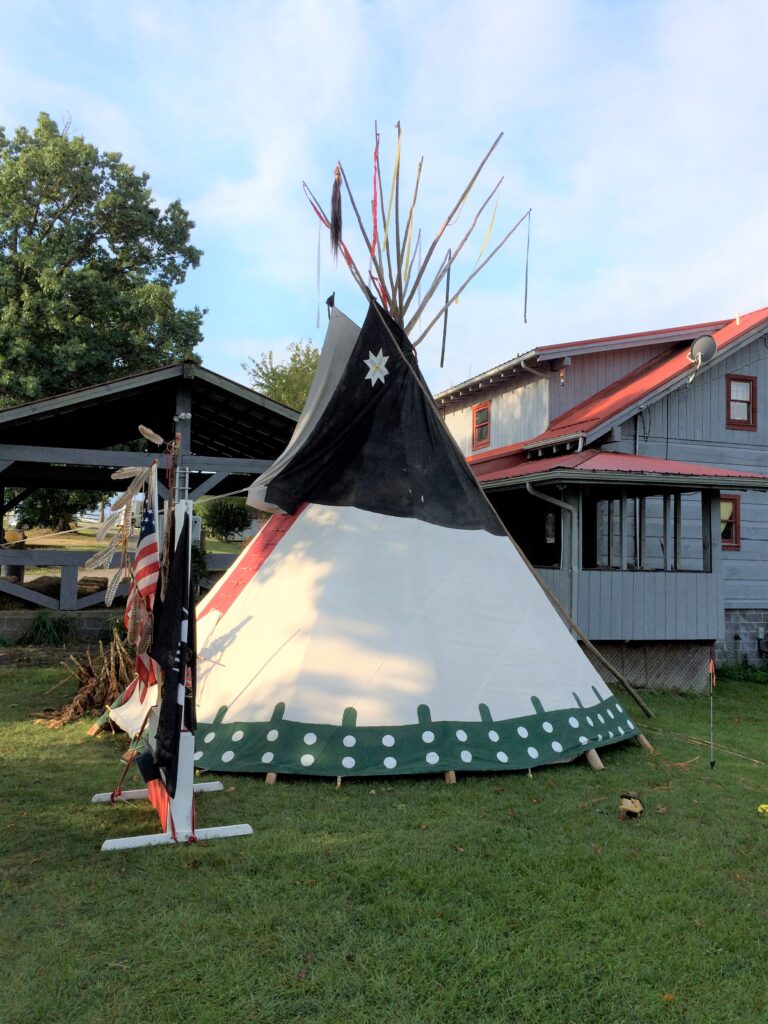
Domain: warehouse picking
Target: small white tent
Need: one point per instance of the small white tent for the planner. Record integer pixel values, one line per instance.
(382, 621)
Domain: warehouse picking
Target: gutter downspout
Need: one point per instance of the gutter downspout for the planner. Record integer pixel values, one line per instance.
(574, 570)
(530, 369)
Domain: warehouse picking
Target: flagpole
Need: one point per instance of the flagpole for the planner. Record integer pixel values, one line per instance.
(179, 819)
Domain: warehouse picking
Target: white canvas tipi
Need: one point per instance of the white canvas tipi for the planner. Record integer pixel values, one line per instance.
(382, 621)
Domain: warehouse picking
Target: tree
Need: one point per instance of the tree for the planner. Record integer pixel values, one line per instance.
(226, 517)
(287, 382)
(54, 509)
(89, 267)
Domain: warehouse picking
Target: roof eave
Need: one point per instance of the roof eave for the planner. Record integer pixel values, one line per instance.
(627, 477)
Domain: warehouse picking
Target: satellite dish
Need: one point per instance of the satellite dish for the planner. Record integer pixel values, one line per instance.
(703, 350)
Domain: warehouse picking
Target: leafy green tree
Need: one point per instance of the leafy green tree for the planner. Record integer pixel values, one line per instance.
(225, 517)
(89, 267)
(289, 381)
(54, 509)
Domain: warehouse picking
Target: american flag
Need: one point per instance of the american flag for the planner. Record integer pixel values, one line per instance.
(146, 572)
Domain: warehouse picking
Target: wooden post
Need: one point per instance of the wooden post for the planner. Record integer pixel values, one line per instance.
(450, 778)
(678, 531)
(643, 742)
(593, 760)
(666, 533)
(271, 778)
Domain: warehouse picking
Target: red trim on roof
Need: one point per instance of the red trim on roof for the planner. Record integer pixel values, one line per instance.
(604, 406)
(595, 461)
(693, 329)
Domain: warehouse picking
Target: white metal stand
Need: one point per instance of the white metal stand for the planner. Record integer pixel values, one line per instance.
(181, 807)
(181, 817)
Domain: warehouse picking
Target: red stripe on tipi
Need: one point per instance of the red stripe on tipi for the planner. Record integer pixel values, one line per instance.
(257, 552)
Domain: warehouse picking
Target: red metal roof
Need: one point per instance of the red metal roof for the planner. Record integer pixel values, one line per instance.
(667, 335)
(607, 404)
(606, 463)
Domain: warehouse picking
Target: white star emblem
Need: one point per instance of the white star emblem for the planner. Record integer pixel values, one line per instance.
(377, 367)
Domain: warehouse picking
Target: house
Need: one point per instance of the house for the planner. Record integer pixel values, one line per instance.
(638, 493)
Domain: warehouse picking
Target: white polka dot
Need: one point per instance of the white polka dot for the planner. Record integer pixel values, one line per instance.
(237, 736)
(209, 736)
(557, 747)
(466, 756)
(348, 762)
(269, 756)
(619, 708)
(601, 720)
(349, 741)
(198, 754)
(493, 736)
(307, 760)
(461, 736)
(501, 756)
(547, 726)
(533, 752)
(583, 740)
(573, 722)
(599, 736)
(272, 735)
(621, 731)
(227, 755)
(609, 713)
(390, 762)
(428, 736)
(590, 723)
(310, 738)
(610, 734)
(388, 741)
(630, 724)
(522, 732)
(432, 757)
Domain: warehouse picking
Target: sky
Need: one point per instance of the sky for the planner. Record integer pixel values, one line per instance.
(635, 131)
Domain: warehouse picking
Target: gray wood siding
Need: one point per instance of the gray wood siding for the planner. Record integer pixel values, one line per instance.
(518, 411)
(614, 605)
(589, 374)
(690, 425)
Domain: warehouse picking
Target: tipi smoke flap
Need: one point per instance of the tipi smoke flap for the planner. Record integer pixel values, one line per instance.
(382, 621)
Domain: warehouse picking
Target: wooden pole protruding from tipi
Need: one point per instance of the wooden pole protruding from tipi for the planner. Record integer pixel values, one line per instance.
(271, 778)
(450, 777)
(644, 743)
(593, 760)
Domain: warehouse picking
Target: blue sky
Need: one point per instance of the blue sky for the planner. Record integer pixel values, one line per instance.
(636, 132)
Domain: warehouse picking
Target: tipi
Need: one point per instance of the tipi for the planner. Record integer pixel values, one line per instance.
(382, 621)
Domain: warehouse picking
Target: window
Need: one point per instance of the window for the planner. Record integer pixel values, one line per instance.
(741, 402)
(481, 425)
(730, 522)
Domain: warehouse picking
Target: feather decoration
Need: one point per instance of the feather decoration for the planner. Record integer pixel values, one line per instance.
(126, 472)
(150, 435)
(134, 625)
(107, 525)
(336, 212)
(117, 578)
(102, 558)
(145, 638)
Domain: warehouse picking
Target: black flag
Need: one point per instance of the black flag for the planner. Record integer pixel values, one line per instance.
(173, 648)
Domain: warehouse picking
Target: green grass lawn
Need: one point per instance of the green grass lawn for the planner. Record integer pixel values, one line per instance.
(507, 899)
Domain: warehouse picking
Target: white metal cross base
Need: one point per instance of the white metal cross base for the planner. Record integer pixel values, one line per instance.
(167, 838)
(180, 808)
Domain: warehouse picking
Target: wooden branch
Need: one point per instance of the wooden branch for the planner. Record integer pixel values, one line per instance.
(474, 273)
(409, 225)
(433, 287)
(384, 225)
(440, 233)
(398, 307)
(377, 265)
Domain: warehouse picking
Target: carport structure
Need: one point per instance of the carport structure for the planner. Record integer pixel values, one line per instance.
(229, 434)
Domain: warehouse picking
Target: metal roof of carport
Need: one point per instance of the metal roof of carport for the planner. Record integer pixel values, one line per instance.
(69, 440)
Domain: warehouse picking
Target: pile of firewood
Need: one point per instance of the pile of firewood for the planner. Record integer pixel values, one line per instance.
(101, 678)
